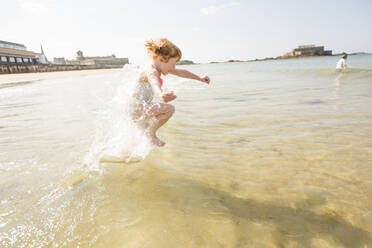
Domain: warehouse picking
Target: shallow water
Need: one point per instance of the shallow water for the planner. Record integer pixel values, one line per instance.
(271, 154)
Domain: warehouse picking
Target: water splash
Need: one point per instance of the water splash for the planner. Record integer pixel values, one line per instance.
(117, 138)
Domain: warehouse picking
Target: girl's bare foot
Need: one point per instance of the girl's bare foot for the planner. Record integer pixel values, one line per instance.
(156, 141)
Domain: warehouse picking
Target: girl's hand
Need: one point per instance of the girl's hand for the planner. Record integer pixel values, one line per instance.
(205, 79)
(168, 96)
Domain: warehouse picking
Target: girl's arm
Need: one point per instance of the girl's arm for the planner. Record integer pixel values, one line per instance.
(186, 74)
(154, 80)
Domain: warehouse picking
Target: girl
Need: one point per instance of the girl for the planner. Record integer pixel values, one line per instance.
(148, 115)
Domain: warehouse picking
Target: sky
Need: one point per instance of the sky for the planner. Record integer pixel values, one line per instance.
(205, 30)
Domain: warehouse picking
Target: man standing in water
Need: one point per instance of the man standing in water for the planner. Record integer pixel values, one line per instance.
(341, 64)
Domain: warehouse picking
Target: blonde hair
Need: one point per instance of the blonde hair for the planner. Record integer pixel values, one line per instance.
(164, 48)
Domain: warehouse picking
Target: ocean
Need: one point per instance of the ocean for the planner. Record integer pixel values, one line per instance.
(270, 154)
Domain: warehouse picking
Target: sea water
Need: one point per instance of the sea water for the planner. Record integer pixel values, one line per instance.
(270, 154)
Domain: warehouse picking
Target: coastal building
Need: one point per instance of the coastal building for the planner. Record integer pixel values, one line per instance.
(42, 59)
(308, 50)
(11, 45)
(59, 61)
(72, 62)
(15, 58)
(16, 53)
(98, 61)
(11, 52)
(92, 61)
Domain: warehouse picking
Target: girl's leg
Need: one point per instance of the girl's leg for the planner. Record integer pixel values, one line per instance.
(155, 124)
(155, 116)
(140, 118)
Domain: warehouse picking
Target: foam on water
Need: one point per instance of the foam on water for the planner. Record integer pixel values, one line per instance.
(117, 139)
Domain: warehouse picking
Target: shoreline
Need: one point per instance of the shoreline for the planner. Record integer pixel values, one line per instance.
(24, 77)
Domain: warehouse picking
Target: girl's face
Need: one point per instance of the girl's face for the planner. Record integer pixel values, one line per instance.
(166, 67)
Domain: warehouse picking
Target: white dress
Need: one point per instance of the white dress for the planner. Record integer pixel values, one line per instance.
(142, 95)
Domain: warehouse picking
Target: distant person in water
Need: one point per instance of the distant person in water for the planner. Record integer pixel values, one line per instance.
(147, 114)
(341, 64)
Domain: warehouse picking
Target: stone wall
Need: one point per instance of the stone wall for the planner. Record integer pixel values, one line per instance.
(7, 68)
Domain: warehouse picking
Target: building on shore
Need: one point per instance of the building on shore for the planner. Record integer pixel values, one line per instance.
(308, 50)
(42, 59)
(59, 61)
(97, 61)
(11, 52)
(15, 58)
(16, 53)
(72, 62)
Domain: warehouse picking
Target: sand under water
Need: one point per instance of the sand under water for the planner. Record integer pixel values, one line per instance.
(271, 154)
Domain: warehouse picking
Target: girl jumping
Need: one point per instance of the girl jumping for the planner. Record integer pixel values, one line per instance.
(148, 115)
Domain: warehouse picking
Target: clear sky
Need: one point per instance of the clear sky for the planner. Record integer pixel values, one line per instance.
(205, 30)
